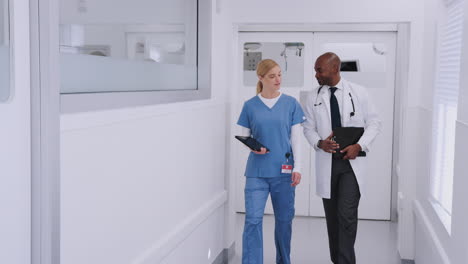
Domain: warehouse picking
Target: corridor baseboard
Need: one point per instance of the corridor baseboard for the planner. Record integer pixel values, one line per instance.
(167, 244)
(225, 255)
(427, 239)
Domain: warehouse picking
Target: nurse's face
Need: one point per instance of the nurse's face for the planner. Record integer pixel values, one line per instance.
(325, 73)
(272, 79)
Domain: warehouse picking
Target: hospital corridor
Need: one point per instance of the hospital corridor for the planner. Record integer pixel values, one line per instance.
(233, 132)
(376, 241)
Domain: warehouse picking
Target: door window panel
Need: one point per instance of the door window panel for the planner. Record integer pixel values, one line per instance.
(289, 55)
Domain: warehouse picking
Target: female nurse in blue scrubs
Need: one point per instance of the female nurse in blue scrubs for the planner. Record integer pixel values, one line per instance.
(274, 119)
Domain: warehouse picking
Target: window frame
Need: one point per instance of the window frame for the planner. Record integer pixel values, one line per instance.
(83, 102)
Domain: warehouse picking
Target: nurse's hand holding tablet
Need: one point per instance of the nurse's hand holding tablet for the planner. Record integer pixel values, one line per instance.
(261, 152)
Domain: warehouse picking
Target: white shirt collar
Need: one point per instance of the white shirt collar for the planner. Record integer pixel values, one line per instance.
(339, 85)
(269, 99)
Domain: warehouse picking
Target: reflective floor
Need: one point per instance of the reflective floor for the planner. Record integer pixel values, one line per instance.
(376, 241)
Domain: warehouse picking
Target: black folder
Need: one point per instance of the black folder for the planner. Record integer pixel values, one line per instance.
(251, 142)
(346, 136)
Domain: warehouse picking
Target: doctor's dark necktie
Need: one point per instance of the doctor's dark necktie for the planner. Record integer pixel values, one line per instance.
(334, 109)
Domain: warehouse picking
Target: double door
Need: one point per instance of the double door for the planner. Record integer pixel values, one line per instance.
(368, 59)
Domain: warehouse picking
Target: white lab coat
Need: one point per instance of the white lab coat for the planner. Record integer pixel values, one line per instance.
(318, 126)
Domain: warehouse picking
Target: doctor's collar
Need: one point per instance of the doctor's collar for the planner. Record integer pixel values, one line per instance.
(339, 85)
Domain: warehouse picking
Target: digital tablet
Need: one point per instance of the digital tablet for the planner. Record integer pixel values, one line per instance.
(251, 142)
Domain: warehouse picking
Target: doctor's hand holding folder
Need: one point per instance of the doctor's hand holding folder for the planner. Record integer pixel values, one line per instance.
(342, 143)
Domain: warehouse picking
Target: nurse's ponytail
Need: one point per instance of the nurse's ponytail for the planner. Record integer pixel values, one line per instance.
(263, 67)
(259, 87)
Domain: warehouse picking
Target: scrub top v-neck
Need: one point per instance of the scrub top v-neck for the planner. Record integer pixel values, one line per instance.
(271, 127)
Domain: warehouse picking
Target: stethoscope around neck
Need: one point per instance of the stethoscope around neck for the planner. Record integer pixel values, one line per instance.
(351, 114)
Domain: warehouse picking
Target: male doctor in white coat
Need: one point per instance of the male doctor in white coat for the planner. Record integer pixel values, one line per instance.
(339, 103)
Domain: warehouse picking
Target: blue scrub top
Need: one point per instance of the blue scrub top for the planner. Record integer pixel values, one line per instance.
(272, 128)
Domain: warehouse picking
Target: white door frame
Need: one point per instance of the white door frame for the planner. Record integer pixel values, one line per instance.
(16, 136)
(401, 81)
(45, 118)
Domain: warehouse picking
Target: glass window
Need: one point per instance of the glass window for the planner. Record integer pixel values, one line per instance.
(289, 55)
(445, 111)
(4, 51)
(128, 46)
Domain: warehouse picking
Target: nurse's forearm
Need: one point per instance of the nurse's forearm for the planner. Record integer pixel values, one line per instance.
(296, 132)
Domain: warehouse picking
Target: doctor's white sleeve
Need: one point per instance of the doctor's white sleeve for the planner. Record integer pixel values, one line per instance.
(310, 127)
(245, 132)
(373, 123)
(296, 132)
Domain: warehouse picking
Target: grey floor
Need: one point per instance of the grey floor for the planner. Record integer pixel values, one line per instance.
(376, 241)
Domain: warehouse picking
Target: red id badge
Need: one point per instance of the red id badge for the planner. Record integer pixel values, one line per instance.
(285, 168)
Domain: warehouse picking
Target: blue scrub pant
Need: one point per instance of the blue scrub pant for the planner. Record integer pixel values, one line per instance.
(282, 197)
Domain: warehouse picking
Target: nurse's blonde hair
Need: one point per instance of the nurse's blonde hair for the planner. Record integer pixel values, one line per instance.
(263, 67)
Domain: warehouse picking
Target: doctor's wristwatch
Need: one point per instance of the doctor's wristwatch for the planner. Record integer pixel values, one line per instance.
(319, 143)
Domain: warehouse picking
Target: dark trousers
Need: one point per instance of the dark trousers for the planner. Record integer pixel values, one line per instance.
(341, 212)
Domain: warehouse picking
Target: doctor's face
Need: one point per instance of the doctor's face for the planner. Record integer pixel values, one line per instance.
(272, 79)
(325, 73)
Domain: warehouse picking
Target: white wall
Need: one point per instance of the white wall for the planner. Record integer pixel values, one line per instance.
(15, 151)
(131, 177)
(433, 244)
(146, 184)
